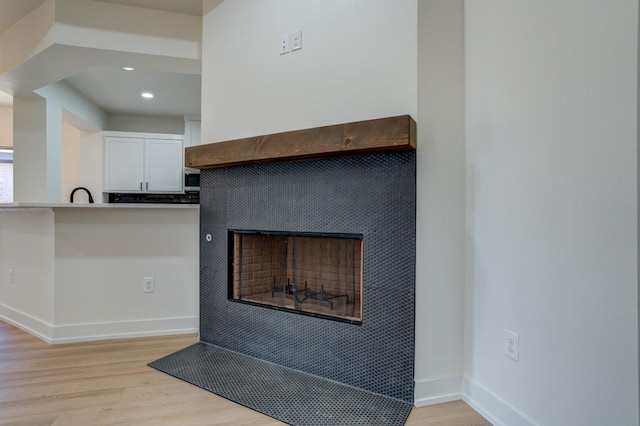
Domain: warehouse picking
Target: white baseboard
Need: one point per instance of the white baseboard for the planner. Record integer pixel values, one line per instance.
(436, 391)
(69, 333)
(124, 329)
(493, 408)
(28, 323)
(489, 405)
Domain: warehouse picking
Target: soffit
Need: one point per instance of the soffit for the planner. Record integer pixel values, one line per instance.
(188, 7)
(176, 81)
(11, 11)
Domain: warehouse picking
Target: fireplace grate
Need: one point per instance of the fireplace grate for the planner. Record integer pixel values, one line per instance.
(301, 295)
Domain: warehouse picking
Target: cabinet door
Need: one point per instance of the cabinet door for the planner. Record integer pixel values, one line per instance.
(165, 167)
(124, 164)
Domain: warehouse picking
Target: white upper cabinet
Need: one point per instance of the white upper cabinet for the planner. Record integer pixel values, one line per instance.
(164, 168)
(124, 164)
(151, 163)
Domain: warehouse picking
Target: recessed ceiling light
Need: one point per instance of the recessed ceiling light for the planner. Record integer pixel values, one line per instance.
(147, 95)
(128, 68)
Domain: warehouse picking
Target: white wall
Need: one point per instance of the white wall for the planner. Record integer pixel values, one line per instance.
(101, 257)
(440, 202)
(552, 210)
(91, 165)
(137, 123)
(26, 246)
(71, 164)
(30, 153)
(53, 146)
(6, 126)
(358, 61)
(78, 272)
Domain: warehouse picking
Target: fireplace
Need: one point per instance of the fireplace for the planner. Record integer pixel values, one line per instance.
(333, 210)
(318, 274)
(307, 273)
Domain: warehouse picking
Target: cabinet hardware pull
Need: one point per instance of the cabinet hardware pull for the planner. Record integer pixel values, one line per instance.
(140, 186)
(147, 186)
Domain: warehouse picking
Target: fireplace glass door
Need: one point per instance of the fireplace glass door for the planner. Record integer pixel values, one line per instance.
(314, 274)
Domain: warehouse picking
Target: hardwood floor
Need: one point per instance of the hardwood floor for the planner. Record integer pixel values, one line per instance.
(109, 383)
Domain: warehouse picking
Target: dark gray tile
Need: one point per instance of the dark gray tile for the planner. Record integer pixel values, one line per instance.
(287, 395)
(372, 195)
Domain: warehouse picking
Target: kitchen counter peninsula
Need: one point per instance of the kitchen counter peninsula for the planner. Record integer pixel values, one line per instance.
(98, 206)
(72, 272)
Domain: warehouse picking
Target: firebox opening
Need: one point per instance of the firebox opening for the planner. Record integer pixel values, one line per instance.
(317, 274)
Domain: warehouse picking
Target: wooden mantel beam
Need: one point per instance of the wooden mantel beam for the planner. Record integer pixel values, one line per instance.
(361, 137)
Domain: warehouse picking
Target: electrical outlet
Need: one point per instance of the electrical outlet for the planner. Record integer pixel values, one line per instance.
(296, 40)
(147, 285)
(511, 344)
(284, 44)
(10, 275)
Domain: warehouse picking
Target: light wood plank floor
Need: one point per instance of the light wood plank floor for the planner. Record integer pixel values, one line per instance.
(109, 383)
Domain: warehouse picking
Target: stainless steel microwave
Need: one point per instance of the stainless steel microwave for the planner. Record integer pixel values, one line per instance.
(191, 181)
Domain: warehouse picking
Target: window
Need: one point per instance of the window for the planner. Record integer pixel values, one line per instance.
(6, 175)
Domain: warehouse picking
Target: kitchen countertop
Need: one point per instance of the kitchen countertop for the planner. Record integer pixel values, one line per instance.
(96, 206)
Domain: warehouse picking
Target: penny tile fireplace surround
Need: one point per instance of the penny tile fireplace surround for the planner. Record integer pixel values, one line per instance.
(364, 204)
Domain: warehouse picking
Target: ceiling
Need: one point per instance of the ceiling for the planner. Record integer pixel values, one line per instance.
(118, 91)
